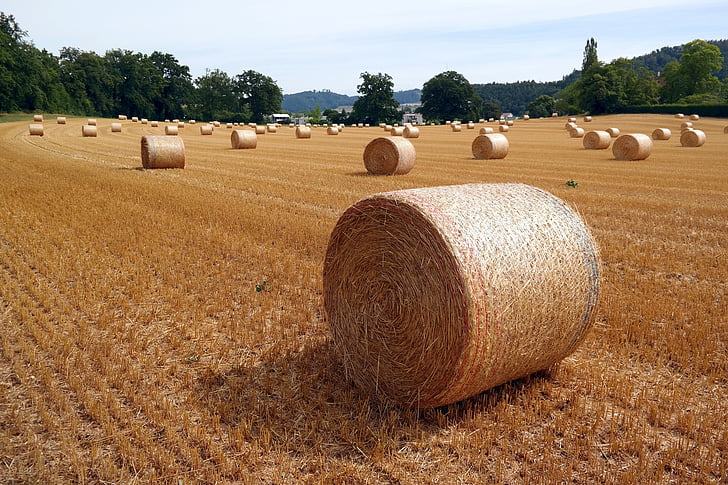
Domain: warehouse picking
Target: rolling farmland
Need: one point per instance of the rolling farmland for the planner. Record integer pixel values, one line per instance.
(168, 325)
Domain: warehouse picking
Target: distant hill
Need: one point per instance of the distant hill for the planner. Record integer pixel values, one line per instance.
(408, 97)
(514, 97)
(325, 99)
(658, 59)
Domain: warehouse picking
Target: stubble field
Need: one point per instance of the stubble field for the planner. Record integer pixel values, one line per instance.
(134, 346)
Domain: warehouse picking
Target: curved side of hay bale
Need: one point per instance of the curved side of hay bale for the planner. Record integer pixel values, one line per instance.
(471, 126)
(685, 125)
(571, 119)
(162, 152)
(116, 127)
(526, 117)
(332, 130)
(192, 122)
(694, 117)
(662, 134)
(510, 123)
(456, 128)
(411, 132)
(243, 139)
(36, 129)
(144, 121)
(597, 140)
(692, 138)
(587, 119)
(171, 130)
(91, 122)
(154, 124)
(576, 133)
(570, 126)
(37, 118)
(504, 128)
(389, 156)
(180, 125)
(397, 131)
(260, 129)
(135, 119)
(89, 131)
(489, 147)
(303, 132)
(486, 131)
(679, 116)
(61, 120)
(425, 296)
(613, 132)
(206, 129)
(122, 117)
(632, 147)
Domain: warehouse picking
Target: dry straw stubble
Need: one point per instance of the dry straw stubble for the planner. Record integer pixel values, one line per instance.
(490, 146)
(434, 295)
(632, 147)
(162, 152)
(243, 139)
(389, 156)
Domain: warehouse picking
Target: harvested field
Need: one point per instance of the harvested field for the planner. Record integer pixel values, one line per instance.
(168, 326)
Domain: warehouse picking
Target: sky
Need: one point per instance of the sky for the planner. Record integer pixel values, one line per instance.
(313, 44)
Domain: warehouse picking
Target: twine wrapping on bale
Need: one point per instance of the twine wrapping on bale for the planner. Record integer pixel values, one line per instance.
(411, 132)
(632, 147)
(685, 125)
(456, 127)
(695, 117)
(243, 139)
(662, 134)
(389, 156)
(587, 119)
(434, 295)
(116, 127)
(206, 129)
(679, 116)
(397, 131)
(613, 132)
(504, 128)
(597, 140)
(488, 147)
(332, 130)
(486, 131)
(91, 122)
(303, 132)
(61, 120)
(260, 129)
(692, 138)
(89, 131)
(577, 133)
(171, 130)
(36, 129)
(163, 152)
(37, 118)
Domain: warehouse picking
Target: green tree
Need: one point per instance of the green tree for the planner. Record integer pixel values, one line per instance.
(490, 109)
(314, 115)
(176, 89)
(694, 73)
(215, 97)
(259, 92)
(449, 96)
(376, 102)
(590, 55)
(542, 106)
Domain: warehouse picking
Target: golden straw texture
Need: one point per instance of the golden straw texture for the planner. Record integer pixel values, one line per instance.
(122, 117)
(597, 140)
(38, 118)
(587, 119)
(389, 156)
(692, 138)
(61, 120)
(411, 132)
(613, 132)
(91, 122)
(332, 130)
(725, 130)
(636, 146)
(486, 131)
(456, 127)
(397, 131)
(163, 152)
(206, 129)
(116, 127)
(679, 116)
(154, 124)
(89, 131)
(662, 134)
(576, 132)
(685, 125)
(437, 294)
(35, 129)
(260, 129)
(504, 128)
(695, 117)
(492, 146)
(243, 139)
(171, 130)
(303, 132)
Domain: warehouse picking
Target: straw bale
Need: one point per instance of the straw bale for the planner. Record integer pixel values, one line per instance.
(389, 156)
(634, 146)
(613, 132)
(303, 132)
(397, 131)
(116, 127)
(206, 129)
(597, 140)
(411, 132)
(171, 130)
(36, 129)
(163, 152)
(692, 138)
(662, 134)
(487, 147)
(244, 139)
(61, 120)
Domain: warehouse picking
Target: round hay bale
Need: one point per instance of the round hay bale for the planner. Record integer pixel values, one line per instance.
(89, 131)
(411, 132)
(135, 119)
(526, 117)
(37, 118)
(504, 128)
(228, 125)
(387, 127)
(216, 124)
(489, 147)
(554, 115)
(510, 123)
(163, 152)
(587, 119)
(180, 125)
(260, 129)
(171, 130)
(61, 120)
(206, 129)
(389, 156)
(501, 122)
(243, 139)
(632, 147)
(116, 127)
(662, 134)
(471, 125)
(725, 130)
(456, 128)
(144, 121)
(679, 116)
(685, 125)
(122, 117)
(91, 122)
(154, 124)
(397, 131)
(192, 122)
(486, 131)
(166, 120)
(303, 132)
(176, 120)
(36, 129)
(571, 120)
(577, 133)
(272, 128)
(332, 130)
(481, 120)
(448, 122)
(692, 138)
(382, 125)
(613, 132)
(434, 295)
(597, 140)
(694, 117)
(570, 126)
(360, 125)
(366, 125)
(491, 120)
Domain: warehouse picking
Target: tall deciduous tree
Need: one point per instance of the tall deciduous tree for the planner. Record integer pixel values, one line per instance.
(376, 103)
(259, 92)
(449, 96)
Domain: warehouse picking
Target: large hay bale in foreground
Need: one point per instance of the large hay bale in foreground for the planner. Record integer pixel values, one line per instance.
(89, 131)
(243, 139)
(437, 294)
(411, 132)
(597, 140)
(692, 138)
(163, 152)
(171, 130)
(662, 134)
(389, 156)
(206, 129)
(303, 132)
(61, 120)
(613, 132)
(37, 118)
(632, 147)
(36, 129)
(489, 147)
(486, 131)
(116, 127)
(576, 133)
(91, 122)
(332, 130)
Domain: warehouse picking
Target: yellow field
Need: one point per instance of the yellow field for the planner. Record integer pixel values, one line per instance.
(134, 346)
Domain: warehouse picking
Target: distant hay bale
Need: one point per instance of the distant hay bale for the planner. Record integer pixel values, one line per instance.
(613, 132)
(36, 129)
(171, 130)
(382, 125)
(679, 116)
(436, 294)
(192, 122)
(632, 147)
(685, 125)
(154, 124)
(228, 125)
(216, 124)
(481, 120)
(244, 139)
(662, 134)
(332, 130)
(303, 132)
(61, 120)
(694, 117)
(89, 131)
(491, 120)
(397, 131)
(116, 127)
(456, 127)
(571, 119)
(91, 122)
(252, 125)
(491, 146)
(587, 119)
(448, 122)
(597, 140)
(526, 117)
(206, 129)
(501, 122)
(180, 124)
(272, 128)
(554, 115)
(570, 126)
(144, 121)
(166, 120)
(389, 156)
(341, 127)
(504, 128)
(510, 123)
(411, 132)
(366, 125)
(577, 133)
(692, 138)
(134, 119)
(176, 120)
(260, 129)
(471, 125)
(37, 118)
(387, 127)
(122, 117)
(486, 131)
(162, 152)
